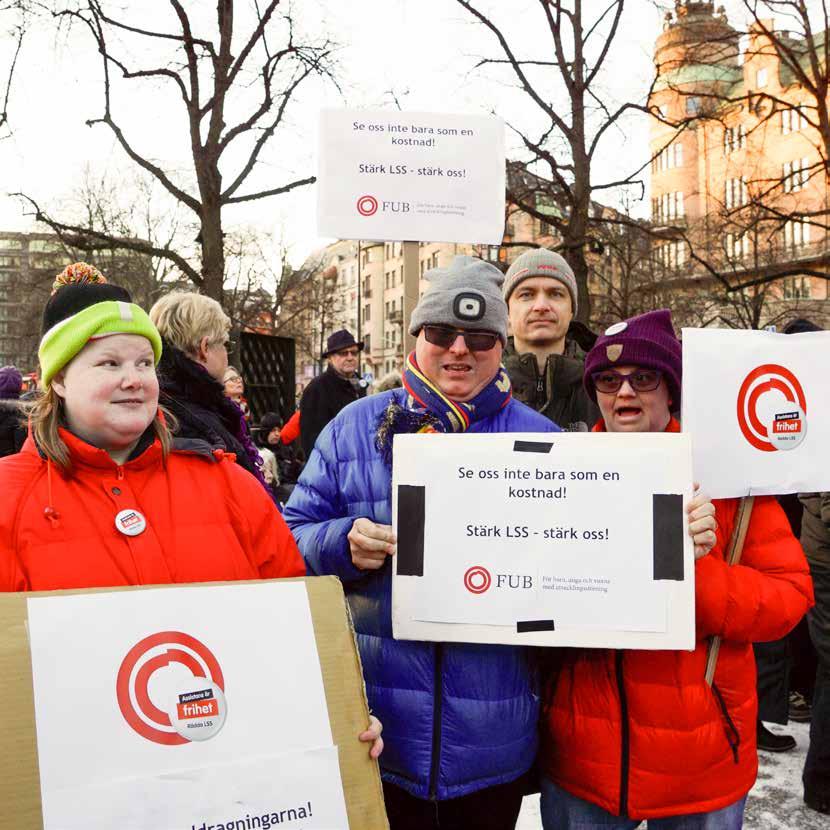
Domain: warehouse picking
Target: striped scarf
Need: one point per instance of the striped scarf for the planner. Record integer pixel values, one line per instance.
(429, 410)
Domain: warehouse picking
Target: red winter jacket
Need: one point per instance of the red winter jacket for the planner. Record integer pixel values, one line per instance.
(640, 733)
(207, 520)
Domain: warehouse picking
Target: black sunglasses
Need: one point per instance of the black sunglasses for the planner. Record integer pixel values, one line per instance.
(444, 337)
(610, 381)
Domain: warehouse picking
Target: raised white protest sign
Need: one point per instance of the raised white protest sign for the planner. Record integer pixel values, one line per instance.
(565, 539)
(411, 176)
(183, 707)
(756, 406)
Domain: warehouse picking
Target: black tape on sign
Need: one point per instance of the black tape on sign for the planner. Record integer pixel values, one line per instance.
(668, 533)
(531, 446)
(411, 508)
(534, 625)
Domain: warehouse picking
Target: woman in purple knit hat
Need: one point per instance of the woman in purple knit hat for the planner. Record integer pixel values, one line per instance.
(12, 432)
(640, 735)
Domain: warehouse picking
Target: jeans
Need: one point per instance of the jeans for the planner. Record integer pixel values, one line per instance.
(817, 766)
(493, 808)
(563, 811)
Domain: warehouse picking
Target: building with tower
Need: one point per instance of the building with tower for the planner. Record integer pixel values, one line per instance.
(739, 187)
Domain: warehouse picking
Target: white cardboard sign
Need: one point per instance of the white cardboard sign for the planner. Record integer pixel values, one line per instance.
(411, 176)
(179, 695)
(756, 405)
(565, 539)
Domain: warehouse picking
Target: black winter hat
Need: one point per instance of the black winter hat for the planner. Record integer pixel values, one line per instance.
(68, 298)
(269, 421)
(801, 325)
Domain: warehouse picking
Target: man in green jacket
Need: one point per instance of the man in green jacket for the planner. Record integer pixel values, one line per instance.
(544, 363)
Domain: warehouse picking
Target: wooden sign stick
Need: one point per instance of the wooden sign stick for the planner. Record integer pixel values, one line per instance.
(733, 557)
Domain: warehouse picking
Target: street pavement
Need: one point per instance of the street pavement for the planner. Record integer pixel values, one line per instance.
(775, 802)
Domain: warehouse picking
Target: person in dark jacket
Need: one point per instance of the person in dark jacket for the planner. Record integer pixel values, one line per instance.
(12, 432)
(328, 393)
(543, 358)
(815, 539)
(195, 333)
(289, 466)
(460, 720)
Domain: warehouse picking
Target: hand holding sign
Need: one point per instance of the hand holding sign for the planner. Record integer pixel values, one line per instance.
(702, 524)
(370, 544)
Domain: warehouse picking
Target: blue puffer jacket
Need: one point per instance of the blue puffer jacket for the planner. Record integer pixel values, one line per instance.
(457, 717)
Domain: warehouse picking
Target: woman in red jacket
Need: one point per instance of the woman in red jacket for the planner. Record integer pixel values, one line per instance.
(634, 735)
(101, 494)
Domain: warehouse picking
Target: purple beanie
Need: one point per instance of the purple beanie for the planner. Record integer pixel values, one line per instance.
(649, 341)
(11, 382)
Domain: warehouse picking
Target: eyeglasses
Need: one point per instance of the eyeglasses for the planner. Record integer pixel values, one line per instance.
(444, 337)
(229, 345)
(349, 352)
(610, 381)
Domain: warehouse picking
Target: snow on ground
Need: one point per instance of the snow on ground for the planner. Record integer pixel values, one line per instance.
(775, 803)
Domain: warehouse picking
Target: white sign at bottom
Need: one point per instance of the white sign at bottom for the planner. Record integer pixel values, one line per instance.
(298, 790)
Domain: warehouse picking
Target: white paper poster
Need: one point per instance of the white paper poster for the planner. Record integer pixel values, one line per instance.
(566, 539)
(411, 176)
(173, 692)
(755, 404)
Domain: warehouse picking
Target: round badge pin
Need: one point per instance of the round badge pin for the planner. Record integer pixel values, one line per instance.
(616, 329)
(130, 522)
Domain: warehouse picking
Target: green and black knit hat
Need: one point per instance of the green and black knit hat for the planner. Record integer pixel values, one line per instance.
(84, 306)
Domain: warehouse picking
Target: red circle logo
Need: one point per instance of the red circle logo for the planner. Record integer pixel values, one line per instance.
(367, 205)
(768, 377)
(145, 658)
(477, 579)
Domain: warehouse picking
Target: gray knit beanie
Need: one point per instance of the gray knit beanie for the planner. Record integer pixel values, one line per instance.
(466, 295)
(541, 263)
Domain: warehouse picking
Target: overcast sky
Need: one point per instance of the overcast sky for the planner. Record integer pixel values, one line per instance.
(421, 52)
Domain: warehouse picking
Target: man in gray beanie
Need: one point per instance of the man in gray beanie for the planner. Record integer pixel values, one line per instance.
(459, 720)
(545, 364)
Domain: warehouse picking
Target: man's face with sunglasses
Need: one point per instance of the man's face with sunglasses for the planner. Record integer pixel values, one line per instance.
(460, 362)
(633, 399)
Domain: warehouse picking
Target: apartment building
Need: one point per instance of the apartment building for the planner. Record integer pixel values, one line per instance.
(735, 160)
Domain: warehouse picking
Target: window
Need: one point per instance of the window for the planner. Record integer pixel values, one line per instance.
(669, 157)
(737, 246)
(11, 244)
(367, 343)
(734, 138)
(795, 175)
(736, 193)
(44, 246)
(367, 313)
(692, 105)
(796, 233)
(796, 288)
(761, 77)
(668, 206)
(672, 254)
(9, 261)
(793, 120)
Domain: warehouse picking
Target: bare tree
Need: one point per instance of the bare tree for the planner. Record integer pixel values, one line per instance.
(574, 134)
(234, 89)
(14, 17)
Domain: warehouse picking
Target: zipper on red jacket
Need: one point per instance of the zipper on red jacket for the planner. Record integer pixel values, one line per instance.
(626, 737)
(119, 473)
(733, 737)
(436, 723)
